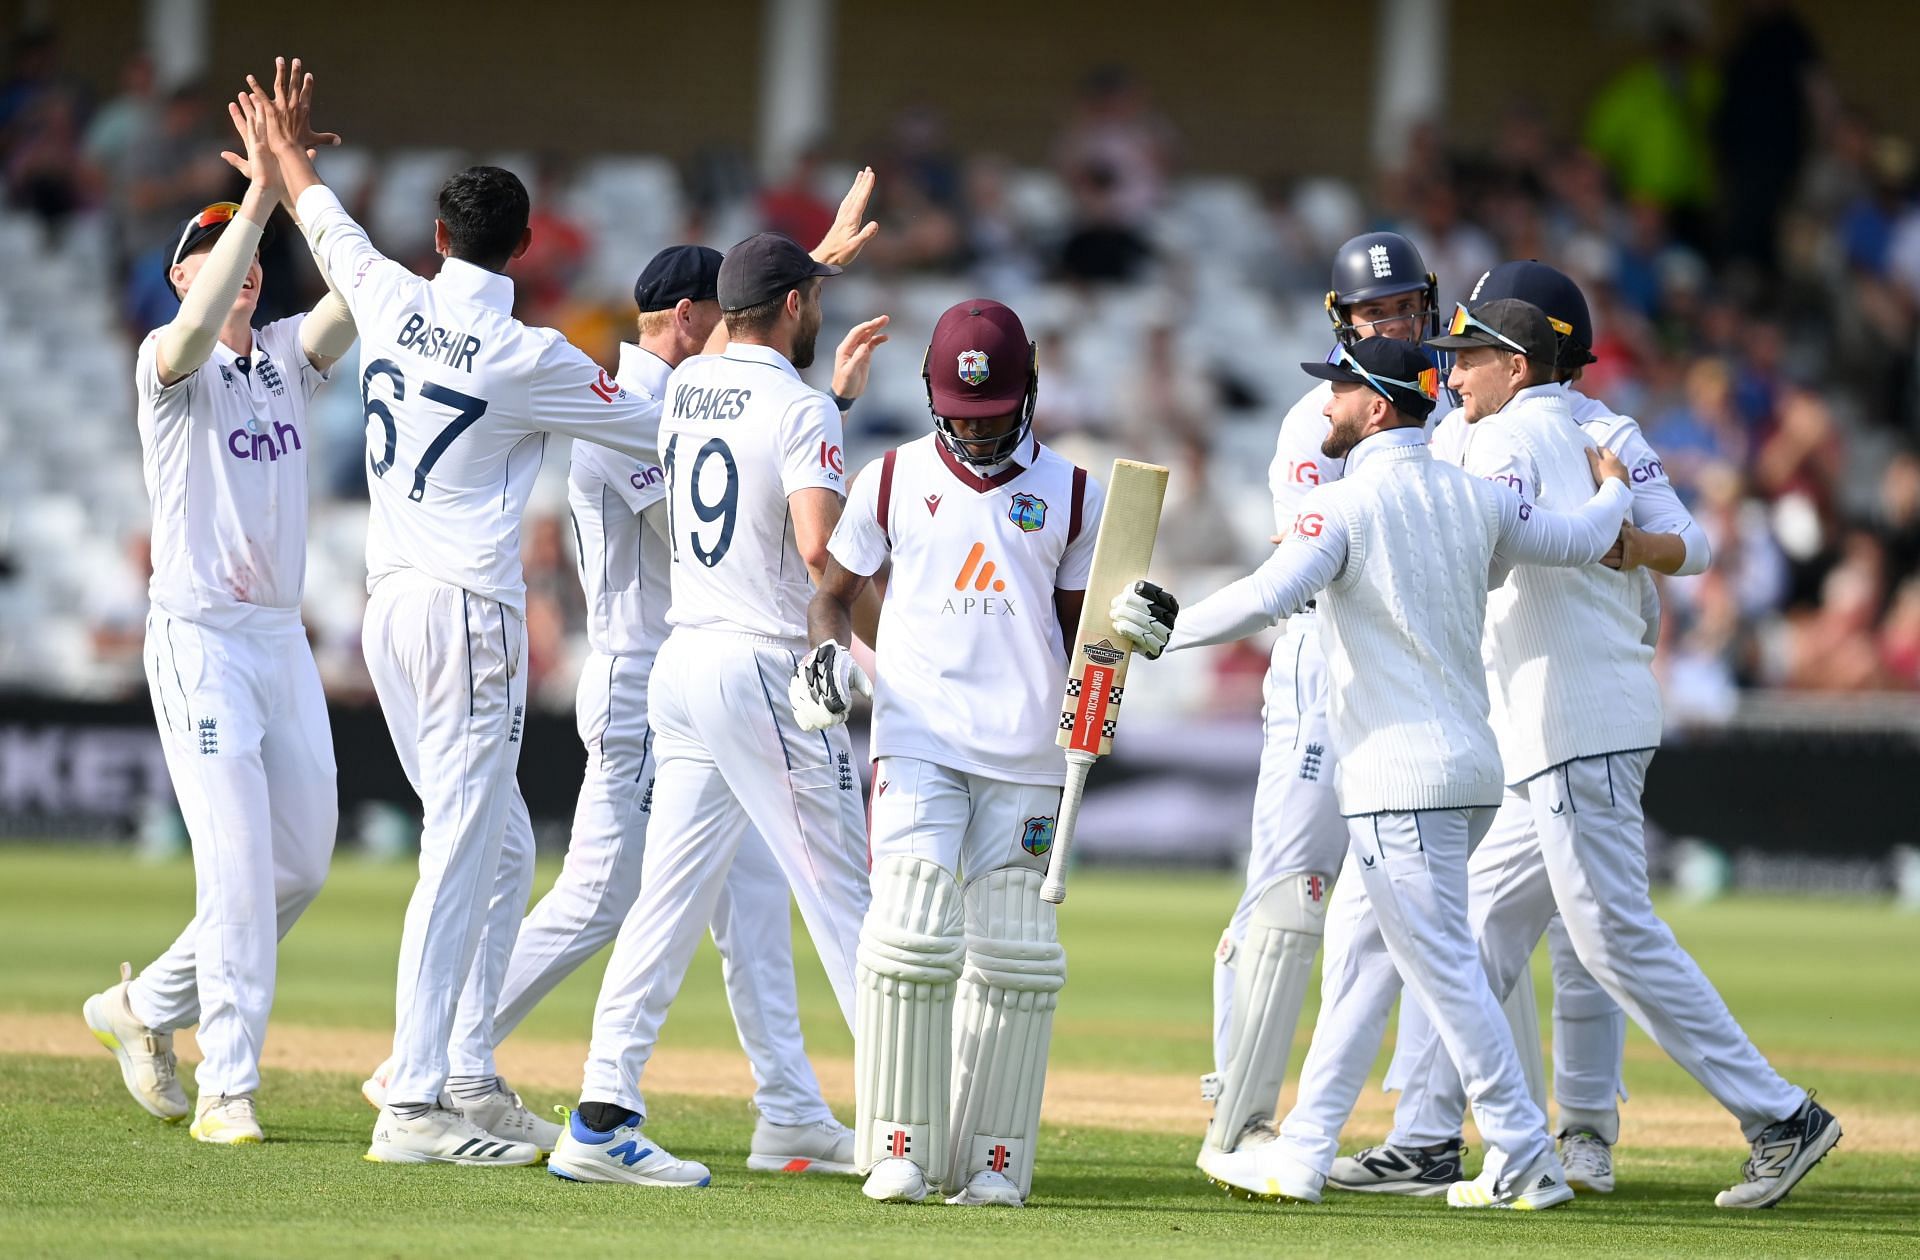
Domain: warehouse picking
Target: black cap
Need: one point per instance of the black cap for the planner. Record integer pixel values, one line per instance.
(1555, 293)
(1397, 370)
(678, 271)
(1517, 327)
(765, 267)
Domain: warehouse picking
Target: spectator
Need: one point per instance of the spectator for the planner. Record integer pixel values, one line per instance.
(122, 124)
(1650, 125)
(1116, 132)
(43, 169)
(794, 205)
(1763, 126)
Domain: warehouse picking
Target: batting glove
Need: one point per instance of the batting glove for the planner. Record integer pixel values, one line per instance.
(822, 687)
(1143, 615)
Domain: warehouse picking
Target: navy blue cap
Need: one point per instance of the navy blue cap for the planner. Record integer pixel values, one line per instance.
(1397, 370)
(1554, 292)
(678, 271)
(765, 267)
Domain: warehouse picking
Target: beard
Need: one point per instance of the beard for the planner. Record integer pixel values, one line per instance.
(1341, 440)
(803, 344)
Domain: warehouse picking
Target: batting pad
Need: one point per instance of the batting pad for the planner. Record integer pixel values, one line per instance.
(1523, 1017)
(909, 959)
(1269, 987)
(1015, 969)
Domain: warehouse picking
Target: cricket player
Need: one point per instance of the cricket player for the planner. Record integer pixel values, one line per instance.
(754, 470)
(223, 433)
(460, 398)
(1402, 548)
(1577, 713)
(991, 539)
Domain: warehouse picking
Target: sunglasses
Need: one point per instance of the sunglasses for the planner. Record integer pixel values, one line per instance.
(1427, 385)
(213, 216)
(1462, 321)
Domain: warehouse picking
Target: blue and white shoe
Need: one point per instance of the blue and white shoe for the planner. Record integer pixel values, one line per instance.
(624, 1155)
(1784, 1152)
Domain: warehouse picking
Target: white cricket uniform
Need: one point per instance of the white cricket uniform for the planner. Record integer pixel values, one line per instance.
(624, 573)
(1582, 718)
(1402, 547)
(460, 398)
(241, 714)
(741, 432)
(971, 659)
(1296, 820)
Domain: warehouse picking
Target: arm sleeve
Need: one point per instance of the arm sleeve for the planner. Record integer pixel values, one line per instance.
(810, 450)
(1532, 535)
(1076, 562)
(1656, 507)
(328, 332)
(1298, 570)
(348, 262)
(187, 341)
(859, 541)
(572, 395)
(640, 483)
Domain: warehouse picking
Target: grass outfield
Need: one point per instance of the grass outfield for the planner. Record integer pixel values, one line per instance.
(1830, 989)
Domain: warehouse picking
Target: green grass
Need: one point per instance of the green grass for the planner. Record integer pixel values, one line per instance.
(1828, 987)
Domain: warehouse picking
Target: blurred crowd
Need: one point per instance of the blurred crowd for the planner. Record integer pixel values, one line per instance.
(1748, 236)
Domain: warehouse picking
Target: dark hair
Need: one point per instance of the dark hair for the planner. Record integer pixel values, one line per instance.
(755, 320)
(1543, 371)
(485, 209)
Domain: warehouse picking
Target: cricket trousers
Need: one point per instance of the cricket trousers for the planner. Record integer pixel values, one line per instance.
(731, 758)
(582, 912)
(244, 727)
(449, 668)
(1398, 916)
(1590, 861)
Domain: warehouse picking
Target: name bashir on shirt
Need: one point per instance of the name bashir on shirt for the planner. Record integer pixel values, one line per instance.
(691, 402)
(450, 346)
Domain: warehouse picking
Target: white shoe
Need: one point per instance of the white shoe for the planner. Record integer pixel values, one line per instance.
(1587, 1160)
(502, 1114)
(1542, 1184)
(226, 1120)
(987, 1188)
(443, 1136)
(1389, 1169)
(147, 1065)
(624, 1155)
(896, 1180)
(824, 1147)
(1262, 1170)
(374, 1088)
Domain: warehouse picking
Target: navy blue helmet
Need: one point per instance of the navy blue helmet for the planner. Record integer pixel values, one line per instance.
(1375, 265)
(1553, 292)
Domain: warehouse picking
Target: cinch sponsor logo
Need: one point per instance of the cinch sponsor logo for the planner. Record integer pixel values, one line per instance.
(251, 443)
(647, 476)
(1649, 470)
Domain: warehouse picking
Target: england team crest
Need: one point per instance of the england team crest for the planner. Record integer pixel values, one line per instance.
(1028, 512)
(1037, 836)
(973, 367)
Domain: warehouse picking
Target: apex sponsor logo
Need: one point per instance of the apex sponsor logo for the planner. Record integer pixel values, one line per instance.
(977, 572)
(981, 590)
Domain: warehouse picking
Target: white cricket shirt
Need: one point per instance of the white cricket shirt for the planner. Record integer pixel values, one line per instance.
(225, 460)
(971, 660)
(623, 561)
(741, 431)
(1298, 464)
(459, 398)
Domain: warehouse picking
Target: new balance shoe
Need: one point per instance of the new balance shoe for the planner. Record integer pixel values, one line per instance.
(147, 1065)
(896, 1180)
(502, 1114)
(987, 1188)
(1421, 1171)
(226, 1120)
(374, 1088)
(443, 1136)
(1261, 1170)
(1588, 1161)
(623, 1154)
(1784, 1152)
(824, 1147)
(1541, 1184)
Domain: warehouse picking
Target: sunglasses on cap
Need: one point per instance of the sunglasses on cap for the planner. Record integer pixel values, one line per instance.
(1427, 385)
(1462, 321)
(213, 216)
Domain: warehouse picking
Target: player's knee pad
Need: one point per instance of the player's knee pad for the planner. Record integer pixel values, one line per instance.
(911, 948)
(1014, 972)
(1273, 967)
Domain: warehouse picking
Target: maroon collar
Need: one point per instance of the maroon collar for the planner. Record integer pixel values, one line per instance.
(973, 480)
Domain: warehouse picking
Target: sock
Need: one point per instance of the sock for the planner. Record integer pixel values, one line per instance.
(469, 1089)
(409, 1111)
(605, 1117)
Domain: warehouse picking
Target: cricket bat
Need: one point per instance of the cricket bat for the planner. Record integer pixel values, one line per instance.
(1097, 669)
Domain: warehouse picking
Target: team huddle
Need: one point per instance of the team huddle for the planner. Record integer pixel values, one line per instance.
(1460, 713)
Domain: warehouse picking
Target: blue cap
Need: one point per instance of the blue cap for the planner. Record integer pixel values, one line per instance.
(678, 271)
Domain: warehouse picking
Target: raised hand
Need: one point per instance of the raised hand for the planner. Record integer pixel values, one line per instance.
(854, 359)
(257, 163)
(289, 108)
(847, 237)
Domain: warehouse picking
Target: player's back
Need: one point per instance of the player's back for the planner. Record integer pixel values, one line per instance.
(740, 432)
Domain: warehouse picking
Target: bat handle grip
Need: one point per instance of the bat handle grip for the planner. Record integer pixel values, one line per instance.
(1054, 889)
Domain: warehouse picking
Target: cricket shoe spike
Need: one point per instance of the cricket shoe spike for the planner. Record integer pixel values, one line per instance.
(1262, 1170)
(374, 1088)
(824, 1147)
(1419, 1171)
(1541, 1184)
(896, 1180)
(987, 1188)
(623, 1156)
(1784, 1152)
(504, 1115)
(227, 1120)
(1588, 1161)
(443, 1136)
(147, 1065)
